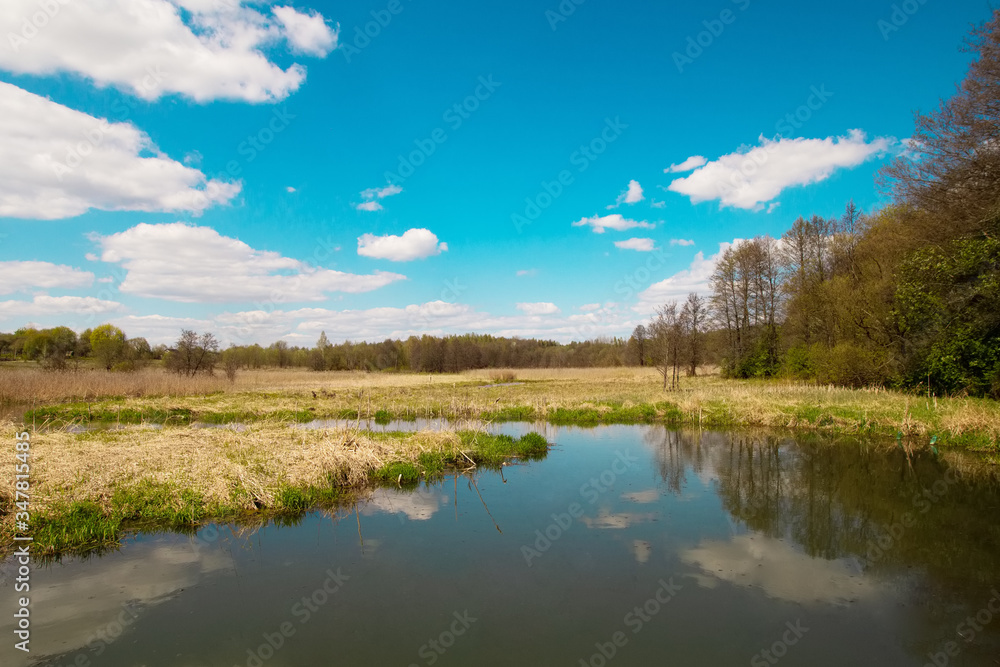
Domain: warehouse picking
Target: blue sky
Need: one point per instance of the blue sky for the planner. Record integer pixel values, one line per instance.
(269, 171)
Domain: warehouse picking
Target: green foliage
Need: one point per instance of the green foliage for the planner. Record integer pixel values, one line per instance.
(107, 343)
(948, 307)
(847, 365)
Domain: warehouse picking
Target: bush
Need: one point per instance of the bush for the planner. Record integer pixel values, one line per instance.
(849, 366)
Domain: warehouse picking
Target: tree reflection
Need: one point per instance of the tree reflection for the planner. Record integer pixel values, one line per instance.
(842, 498)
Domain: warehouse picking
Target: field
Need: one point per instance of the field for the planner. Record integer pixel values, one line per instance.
(150, 460)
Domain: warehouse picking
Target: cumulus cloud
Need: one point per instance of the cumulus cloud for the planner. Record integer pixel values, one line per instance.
(185, 263)
(413, 244)
(21, 276)
(632, 195)
(57, 163)
(695, 278)
(642, 245)
(202, 49)
(615, 221)
(681, 242)
(306, 33)
(692, 162)
(542, 308)
(752, 176)
(439, 318)
(43, 305)
(369, 206)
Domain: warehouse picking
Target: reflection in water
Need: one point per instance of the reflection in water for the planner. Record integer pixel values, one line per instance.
(880, 554)
(778, 569)
(418, 505)
(846, 499)
(86, 606)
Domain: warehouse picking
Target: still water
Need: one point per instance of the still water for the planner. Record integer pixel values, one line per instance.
(627, 545)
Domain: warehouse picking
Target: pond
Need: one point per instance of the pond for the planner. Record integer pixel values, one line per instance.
(627, 545)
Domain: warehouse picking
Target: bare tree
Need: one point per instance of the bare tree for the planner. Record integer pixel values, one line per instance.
(193, 354)
(693, 316)
(668, 337)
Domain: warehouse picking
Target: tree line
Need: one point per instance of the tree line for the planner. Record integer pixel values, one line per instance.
(908, 296)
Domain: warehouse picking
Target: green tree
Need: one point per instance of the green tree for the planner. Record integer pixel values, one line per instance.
(107, 343)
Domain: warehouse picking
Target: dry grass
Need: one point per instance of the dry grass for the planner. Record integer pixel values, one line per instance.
(707, 400)
(227, 467)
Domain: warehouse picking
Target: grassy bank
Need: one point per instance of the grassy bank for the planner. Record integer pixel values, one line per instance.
(88, 489)
(155, 469)
(581, 397)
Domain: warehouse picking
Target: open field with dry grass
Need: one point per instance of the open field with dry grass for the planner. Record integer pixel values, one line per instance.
(579, 396)
(153, 465)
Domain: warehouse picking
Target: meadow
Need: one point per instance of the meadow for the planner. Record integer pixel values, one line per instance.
(112, 451)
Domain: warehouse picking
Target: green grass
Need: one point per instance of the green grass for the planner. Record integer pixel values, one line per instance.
(82, 526)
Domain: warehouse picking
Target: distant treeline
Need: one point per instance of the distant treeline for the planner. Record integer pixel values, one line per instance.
(61, 347)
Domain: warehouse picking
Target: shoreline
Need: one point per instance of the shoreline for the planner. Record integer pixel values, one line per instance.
(154, 467)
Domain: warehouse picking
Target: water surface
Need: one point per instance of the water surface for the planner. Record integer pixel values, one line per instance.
(628, 545)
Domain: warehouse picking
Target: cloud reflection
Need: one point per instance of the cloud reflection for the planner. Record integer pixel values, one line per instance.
(779, 570)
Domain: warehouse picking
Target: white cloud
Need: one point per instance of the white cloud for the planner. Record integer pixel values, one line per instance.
(290, 189)
(21, 276)
(538, 308)
(632, 195)
(642, 245)
(381, 193)
(614, 221)
(372, 194)
(527, 272)
(589, 307)
(695, 278)
(681, 242)
(658, 204)
(692, 162)
(43, 305)
(773, 207)
(57, 163)
(184, 263)
(752, 176)
(203, 49)
(439, 318)
(306, 33)
(413, 244)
